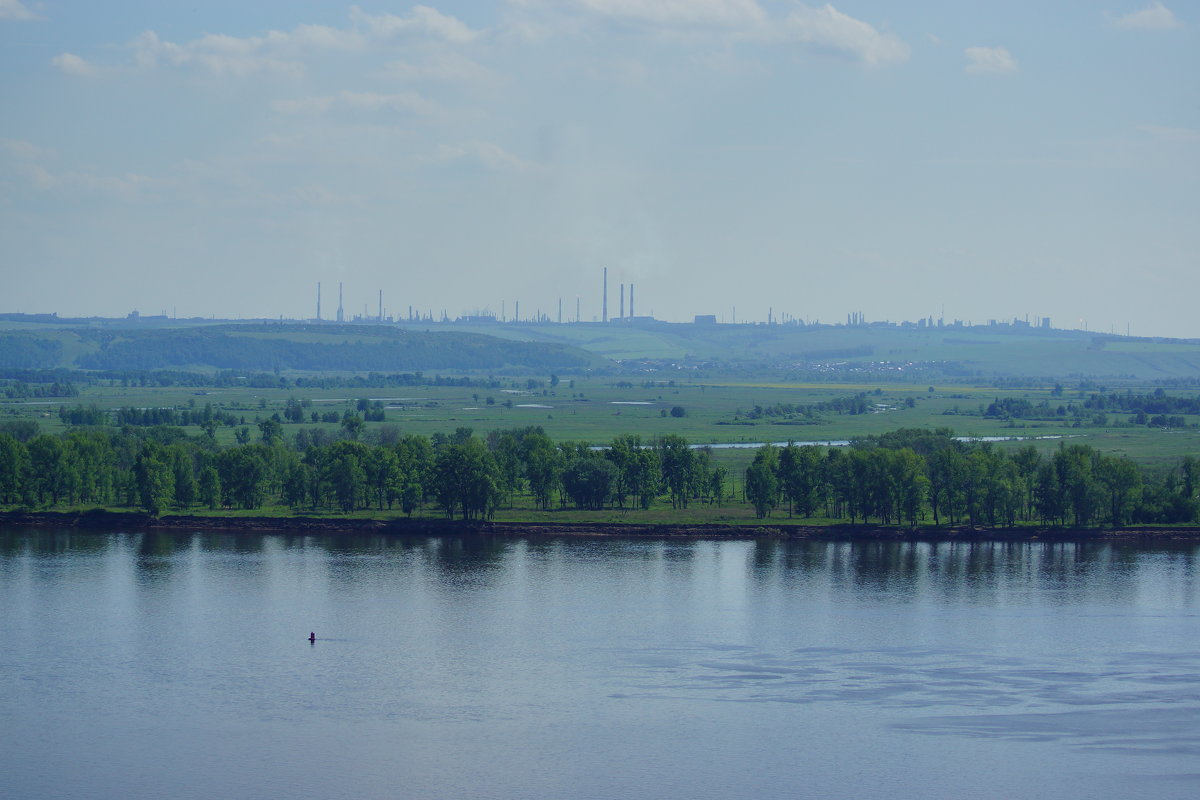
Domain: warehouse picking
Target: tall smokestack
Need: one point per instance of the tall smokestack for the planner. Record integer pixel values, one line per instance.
(622, 302)
(381, 305)
(560, 311)
(318, 301)
(340, 316)
(604, 310)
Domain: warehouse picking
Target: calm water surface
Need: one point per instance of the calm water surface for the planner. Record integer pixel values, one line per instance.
(177, 665)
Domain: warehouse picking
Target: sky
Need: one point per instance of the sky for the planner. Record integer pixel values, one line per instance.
(982, 160)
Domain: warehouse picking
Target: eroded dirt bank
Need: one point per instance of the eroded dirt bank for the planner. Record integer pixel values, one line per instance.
(104, 520)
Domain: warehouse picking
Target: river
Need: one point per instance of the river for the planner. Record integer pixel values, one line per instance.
(178, 665)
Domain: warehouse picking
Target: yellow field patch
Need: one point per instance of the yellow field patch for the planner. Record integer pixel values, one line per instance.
(852, 387)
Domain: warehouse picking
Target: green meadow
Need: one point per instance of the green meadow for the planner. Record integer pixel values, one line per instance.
(597, 409)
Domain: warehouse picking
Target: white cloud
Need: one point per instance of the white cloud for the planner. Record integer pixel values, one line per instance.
(422, 20)
(1155, 17)
(405, 102)
(74, 65)
(15, 9)
(284, 53)
(303, 105)
(216, 54)
(826, 28)
(29, 161)
(678, 12)
(442, 68)
(20, 149)
(822, 29)
(483, 154)
(275, 52)
(990, 60)
(408, 102)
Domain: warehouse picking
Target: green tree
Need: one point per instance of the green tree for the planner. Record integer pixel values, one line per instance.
(14, 469)
(210, 486)
(1027, 461)
(155, 478)
(507, 451)
(272, 431)
(543, 467)
(183, 476)
(762, 483)
(416, 464)
(348, 480)
(295, 483)
(243, 475)
(717, 484)
(383, 475)
(623, 452)
(1048, 497)
(677, 462)
(293, 411)
(92, 454)
(50, 474)
(466, 479)
(588, 480)
(946, 470)
(799, 475)
(908, 475)
(1075, 467)
(1122, 482)
(352, 426)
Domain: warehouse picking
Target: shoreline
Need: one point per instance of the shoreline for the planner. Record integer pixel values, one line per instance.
(108, 520)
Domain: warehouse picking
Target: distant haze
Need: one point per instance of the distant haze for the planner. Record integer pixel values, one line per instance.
(996, 160)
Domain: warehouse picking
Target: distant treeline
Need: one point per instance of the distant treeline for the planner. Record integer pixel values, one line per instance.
(850, 404)
(1157, 403)
(62, 382)
(91, 415)
(19, 390)
(1156, 410)
(906, 477)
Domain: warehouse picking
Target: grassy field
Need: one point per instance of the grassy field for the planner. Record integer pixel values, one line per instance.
(596, 410)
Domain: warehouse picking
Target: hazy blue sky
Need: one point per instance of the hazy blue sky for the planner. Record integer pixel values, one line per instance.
(999, 159)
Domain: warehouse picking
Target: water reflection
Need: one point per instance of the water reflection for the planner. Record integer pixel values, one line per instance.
(967, 571)
(899, 571)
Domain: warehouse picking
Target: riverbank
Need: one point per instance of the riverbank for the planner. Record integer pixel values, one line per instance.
(109, 521)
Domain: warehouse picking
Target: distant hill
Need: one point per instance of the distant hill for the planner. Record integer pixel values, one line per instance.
(28, 351)
(813, 353)
(321, 348)
(979, 352)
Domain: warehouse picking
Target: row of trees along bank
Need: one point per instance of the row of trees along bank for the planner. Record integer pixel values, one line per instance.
(906, 477)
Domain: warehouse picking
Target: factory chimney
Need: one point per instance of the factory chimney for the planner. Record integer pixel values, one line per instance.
(604, 308)
(340, 316)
